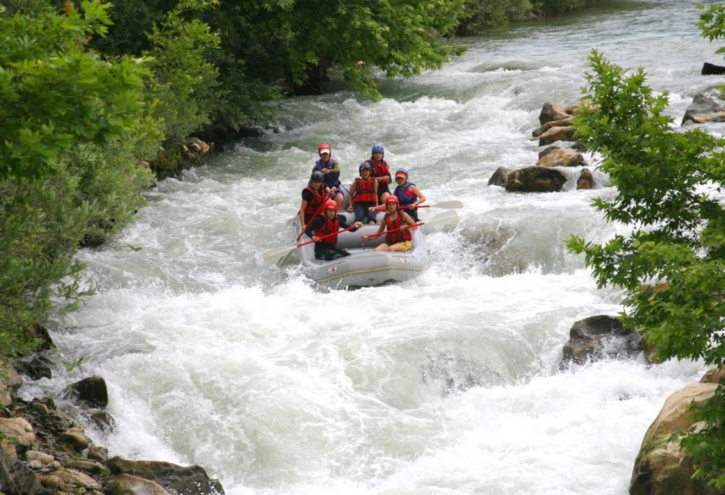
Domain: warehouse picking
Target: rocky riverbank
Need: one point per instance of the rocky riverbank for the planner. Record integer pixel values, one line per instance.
(44, 448)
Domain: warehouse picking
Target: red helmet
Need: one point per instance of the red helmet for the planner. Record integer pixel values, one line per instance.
(331, 203)
(324, 147)
(392, 199)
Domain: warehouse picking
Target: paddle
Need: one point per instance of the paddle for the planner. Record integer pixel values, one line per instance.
(448, 205)
(276, 254)
(393, 230)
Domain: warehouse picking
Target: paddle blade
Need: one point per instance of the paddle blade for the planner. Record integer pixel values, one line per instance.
(276, 254)
(448, 219)
(449, 205)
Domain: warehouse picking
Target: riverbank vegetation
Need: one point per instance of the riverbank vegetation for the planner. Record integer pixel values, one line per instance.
(672, 265)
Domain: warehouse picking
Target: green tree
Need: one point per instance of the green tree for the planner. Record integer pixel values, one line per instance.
(671, 265)
(73, 125)
(54, 92)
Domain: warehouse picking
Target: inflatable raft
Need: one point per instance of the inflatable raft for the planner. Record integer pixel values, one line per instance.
(364, 267)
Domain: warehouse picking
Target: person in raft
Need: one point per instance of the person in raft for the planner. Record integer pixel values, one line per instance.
(407, 193)
(381, 172)
(330, 169)
(398, 225)
(323, 230)
(312, 198)
(363, 195)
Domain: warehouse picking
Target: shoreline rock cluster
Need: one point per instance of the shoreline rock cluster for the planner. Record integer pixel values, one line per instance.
(44, 449)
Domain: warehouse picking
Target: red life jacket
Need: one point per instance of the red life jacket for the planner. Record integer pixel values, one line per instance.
(329, 227)
(314, 204)
(364, 190)
(398, 235)
(380, 169)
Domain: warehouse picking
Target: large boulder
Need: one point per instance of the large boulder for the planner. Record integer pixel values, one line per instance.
(557, 157)
(499, 177)
(535, 179)
(15, 433)
(551, 112)
(662, 467)
(707, 106)
(90, 391)
(18, 479)
(184, 480)
(599, 337)
(557, 133)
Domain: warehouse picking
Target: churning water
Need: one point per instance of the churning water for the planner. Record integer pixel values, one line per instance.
(447, 384)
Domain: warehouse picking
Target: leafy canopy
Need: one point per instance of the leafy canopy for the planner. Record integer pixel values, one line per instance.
(54, 92)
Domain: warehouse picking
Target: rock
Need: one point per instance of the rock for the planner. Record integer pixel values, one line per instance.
(126, 484)
(49, 481)
(551, 112)
(554, 134)
(70, 480)
(706, 106)
(585, 180)
(535, 179)
(43, 458)
(713, 376)
(10, 381)
(499, 177)
(198, 145)
(15, 432)
(599, 337)
(34, 367)
(98, 453)
(554, 123)
(18, 479)
(561, 158)
(662, 467)
(75, 437)
(91, 391)
(712, 69)
(103, 421)
(86, 466)
(186, 480)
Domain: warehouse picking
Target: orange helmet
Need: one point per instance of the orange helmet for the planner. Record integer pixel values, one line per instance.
(324, 147)
(331, 203)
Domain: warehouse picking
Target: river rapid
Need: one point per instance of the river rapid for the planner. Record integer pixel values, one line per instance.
(446, 384)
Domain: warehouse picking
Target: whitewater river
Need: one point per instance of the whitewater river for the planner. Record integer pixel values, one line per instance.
(446, 384)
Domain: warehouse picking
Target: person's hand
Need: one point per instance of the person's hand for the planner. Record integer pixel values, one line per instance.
(325, 171)
(403, 227)
(358, 224)
(365, 238)
(315, 238)
(349, 208)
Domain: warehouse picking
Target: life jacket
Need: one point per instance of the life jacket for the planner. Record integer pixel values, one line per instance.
(331, 179)
(329, 227)
(364, 190)
(405, 195)
(380, 169)
(314, 204)
(398, 235)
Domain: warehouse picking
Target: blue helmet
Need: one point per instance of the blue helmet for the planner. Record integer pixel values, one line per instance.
(378, 148)
(402, 170)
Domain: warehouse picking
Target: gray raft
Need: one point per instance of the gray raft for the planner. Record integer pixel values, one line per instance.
(365, 267)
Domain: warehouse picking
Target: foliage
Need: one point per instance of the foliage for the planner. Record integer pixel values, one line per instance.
(669, 186)
(555, 7)
(712, 23)
(482, 14)
(74, 130)
(184, 87)
(54, 92)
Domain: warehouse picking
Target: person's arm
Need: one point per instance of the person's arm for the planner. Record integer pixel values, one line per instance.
(383, 223)
(351, 196)
(315, 224)
(335, 167)
(418, 194)
(375, 192)
(344, 225)
(407, 219)
(306, 197)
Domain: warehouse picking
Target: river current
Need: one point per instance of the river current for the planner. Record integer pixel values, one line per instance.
(446, 384)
